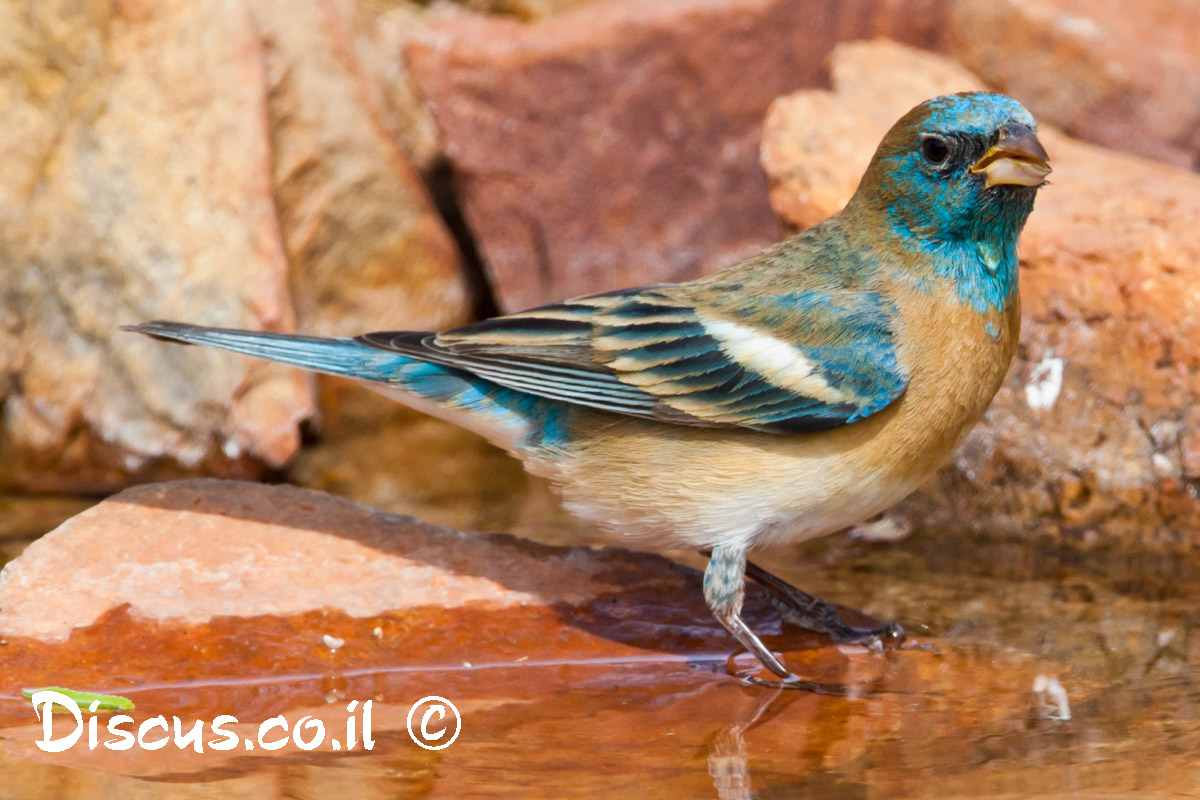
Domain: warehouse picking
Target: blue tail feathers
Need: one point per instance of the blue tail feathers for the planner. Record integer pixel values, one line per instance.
(331, 356)
(508, 417)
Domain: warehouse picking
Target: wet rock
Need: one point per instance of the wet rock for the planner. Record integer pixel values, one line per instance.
(201, 598)
(680, 732)
(225, 164)
(1092, 435)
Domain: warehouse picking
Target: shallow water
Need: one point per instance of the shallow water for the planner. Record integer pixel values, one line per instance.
(964, 721)
(962, 718)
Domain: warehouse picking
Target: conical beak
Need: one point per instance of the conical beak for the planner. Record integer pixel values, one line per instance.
(1018, 159)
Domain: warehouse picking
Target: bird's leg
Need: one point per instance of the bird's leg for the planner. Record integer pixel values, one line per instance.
(814, 614)
(724, 588)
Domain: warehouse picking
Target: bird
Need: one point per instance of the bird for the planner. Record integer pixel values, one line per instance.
(793, 394)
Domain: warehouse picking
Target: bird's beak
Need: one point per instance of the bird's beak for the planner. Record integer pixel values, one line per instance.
(1018, 159)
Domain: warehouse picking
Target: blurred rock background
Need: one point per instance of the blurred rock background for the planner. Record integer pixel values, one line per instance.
(335, 166)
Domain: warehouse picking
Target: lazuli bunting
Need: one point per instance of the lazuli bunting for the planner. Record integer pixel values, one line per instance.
(793, 394)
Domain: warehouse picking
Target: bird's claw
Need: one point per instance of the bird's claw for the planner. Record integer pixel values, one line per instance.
(886, 637)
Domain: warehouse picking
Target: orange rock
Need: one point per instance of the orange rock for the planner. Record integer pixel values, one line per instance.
(816, 145)
(1089, 436)
(191, 551)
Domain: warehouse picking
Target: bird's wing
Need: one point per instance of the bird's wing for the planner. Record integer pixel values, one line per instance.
(659, 353)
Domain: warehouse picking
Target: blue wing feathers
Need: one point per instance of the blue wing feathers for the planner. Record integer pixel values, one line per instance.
(653, 353)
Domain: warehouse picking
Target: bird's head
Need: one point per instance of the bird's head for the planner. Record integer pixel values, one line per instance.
(961, 167)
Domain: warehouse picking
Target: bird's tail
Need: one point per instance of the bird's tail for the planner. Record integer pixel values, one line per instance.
(502, 415)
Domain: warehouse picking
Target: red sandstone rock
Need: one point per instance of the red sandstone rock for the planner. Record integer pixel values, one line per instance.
(1093, 434)
(191, 551)
(613, 145)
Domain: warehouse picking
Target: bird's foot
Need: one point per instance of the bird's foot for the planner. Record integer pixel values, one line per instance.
(803, 610)
(723, 582)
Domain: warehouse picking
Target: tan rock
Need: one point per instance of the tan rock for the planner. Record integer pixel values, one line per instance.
(209, 163)
(1091, 436)
(376, 33)
(136, 184)
(429, 469)
(816, 145)
(378, 452)
(366, 248)
(26, 517)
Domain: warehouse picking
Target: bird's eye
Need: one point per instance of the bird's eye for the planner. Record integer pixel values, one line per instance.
(934, 149)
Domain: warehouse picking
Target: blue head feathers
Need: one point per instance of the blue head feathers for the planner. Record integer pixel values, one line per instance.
(956, 178)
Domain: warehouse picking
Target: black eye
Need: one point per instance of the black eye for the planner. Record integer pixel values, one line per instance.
(934, 149)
